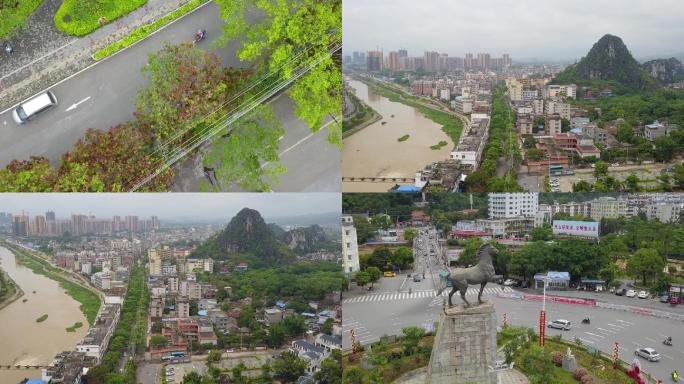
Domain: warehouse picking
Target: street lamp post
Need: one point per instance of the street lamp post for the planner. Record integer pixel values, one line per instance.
(542, 316)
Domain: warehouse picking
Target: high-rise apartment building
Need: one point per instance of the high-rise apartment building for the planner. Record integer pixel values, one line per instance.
(513, 204)
(20, 225)
(393, 61)
(374, 61)
(468, 61)
(431, 61)
(50, 216)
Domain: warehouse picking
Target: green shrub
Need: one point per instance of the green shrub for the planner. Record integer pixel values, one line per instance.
(81, 17)
(13, 13)
(403, 138)
(145, 30)
(579, 373)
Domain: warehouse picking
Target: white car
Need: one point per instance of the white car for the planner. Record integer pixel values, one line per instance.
(509, 282)
(649, 354)
(630, 293)
(560, 324)
(643, 295)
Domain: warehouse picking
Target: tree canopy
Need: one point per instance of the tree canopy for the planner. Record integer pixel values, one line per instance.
(284, 30)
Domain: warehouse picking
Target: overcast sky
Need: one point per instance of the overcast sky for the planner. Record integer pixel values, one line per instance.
(523, 28)
(171, 205)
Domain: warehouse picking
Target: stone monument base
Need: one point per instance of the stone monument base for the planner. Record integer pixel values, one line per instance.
(464, 349)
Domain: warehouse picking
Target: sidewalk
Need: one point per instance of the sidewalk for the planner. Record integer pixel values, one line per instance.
(44, 56)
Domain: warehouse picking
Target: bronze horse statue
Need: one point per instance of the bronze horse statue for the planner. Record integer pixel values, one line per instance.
(481, 273)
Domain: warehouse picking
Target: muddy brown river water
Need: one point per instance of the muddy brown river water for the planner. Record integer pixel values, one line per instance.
(22, 339)
(375, 152)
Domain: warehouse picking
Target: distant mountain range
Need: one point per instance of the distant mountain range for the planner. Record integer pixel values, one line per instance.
(666, 71)
(608, 64)
(247, 237)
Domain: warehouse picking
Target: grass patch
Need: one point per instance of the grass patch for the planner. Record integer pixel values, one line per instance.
(81, 17)
(7, 288)
(42, 318)
(14, 13)
(90, 302)
(403, 138)
(439, 145)
(146, 30)
(74, 327)
(451, 125)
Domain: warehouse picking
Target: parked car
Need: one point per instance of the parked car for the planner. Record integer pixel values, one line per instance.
(649, 354)
(620, 291)
(560, 324)
(509, 282)
(416, 278)
(643, 295)
(665, 299)
(631, 293)
(389, 274)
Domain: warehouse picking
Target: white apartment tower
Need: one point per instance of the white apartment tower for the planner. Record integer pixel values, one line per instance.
(350, 247)
(513, 204)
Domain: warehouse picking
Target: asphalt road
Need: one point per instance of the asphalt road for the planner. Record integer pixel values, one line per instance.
(103, 96)
(377, 314)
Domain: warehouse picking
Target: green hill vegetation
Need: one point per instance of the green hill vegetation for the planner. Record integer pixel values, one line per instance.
(247, 238)
(609, 64)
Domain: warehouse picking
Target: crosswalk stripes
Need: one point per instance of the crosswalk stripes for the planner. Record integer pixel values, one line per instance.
(418, 295)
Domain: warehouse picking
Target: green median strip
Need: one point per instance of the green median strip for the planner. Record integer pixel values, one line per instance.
(146, 30)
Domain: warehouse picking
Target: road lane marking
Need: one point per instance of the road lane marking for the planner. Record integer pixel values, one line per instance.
(75, 105)
(651, 340)
(608, 330)
(587, 340)
(626, 322)
(300, 142)
(593, 334)
(616, 326)
(668, 357)
(637, 344)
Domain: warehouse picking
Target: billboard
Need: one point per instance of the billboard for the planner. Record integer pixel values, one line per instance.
(576, 228)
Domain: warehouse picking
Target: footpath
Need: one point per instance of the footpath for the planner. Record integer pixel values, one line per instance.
(44, 56)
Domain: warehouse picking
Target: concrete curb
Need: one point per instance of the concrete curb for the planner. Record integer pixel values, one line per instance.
(92, 56)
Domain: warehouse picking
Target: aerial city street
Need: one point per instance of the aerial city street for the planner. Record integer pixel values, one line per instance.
(176, 88)
(611, 265)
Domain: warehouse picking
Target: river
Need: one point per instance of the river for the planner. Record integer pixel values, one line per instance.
(375, 152)
(22, 339)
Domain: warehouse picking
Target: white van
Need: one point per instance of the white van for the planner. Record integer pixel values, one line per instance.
(29, 109)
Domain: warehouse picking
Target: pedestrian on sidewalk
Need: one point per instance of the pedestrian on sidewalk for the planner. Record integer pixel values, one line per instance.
(8, 48)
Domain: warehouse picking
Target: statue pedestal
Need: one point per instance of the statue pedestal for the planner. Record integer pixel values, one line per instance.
(464, 349)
